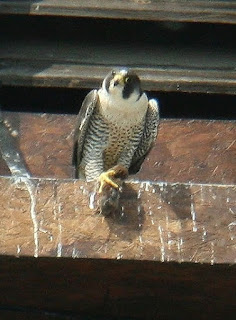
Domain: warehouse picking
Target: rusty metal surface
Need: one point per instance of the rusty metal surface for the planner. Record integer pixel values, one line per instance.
(185, 151)
(158, 221)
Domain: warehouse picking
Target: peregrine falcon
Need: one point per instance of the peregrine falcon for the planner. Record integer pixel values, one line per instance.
(116, 128)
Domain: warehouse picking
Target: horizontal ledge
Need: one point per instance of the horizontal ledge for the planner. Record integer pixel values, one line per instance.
(84, 63)
(88, 76)
(166, 10)
(157, 221)
(199, 151)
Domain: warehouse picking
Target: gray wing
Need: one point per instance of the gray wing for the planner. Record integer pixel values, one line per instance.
(148, 137)
(82, 123)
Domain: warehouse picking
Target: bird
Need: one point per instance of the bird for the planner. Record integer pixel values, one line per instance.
(116, 128)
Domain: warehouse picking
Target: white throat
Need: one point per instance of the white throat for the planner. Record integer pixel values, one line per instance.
(116, 109)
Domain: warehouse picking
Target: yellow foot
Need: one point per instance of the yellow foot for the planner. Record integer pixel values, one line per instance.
(106, 178)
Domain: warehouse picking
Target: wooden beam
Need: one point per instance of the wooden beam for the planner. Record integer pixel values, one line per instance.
(20, 313)
(200, 151)
(159, 221)
(171, 246)
(84, 65)
(165, 10)
(116, 289)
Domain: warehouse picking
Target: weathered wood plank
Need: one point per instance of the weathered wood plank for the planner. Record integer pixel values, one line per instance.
(175, 10)
(84, 65)
(10, 313)
(108, 289)
(158, 221)
(185, 151)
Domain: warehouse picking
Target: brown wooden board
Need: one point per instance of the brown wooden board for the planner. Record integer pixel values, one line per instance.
(169, 253)
(165, 10)
(116, 289)
(19, 313)
(158, 221)
(199, 151)
(48, 63)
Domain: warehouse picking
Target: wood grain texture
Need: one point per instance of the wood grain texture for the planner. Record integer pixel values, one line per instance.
(122, 266)
(158, 221)
(40, 62)
(185, 151)
(165, 10)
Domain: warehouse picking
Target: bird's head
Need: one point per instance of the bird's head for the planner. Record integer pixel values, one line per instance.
(122, 83)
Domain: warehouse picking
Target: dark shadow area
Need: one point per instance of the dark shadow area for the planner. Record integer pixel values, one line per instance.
(112, 30)
(63, 31)
(128, 222)
(67, 100)
(117, 289)
(178, 196)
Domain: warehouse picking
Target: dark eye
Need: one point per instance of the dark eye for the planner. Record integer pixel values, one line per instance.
(113, 73)
(127, 80)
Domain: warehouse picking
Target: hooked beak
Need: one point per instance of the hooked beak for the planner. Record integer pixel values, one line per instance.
(119, 79)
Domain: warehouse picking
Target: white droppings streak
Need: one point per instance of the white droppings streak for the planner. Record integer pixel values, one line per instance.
(92, 200)
(212, 253)
(167, 221)
(139, 209)
(231, 226)
(59, 245)
(142, 184)
(180, 243)
(43, 230)
(193, 214)
(140, 239)
(105, 248)
(119, 256)
(162, 244)
(139, 194)
(169, 241)
(18, 249)
(161, 186)
(202, 194)
(179, 246)
(32, 190)
(204, 234)
(147, 185)
(74, 254)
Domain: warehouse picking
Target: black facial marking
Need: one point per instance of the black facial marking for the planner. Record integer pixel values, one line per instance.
(132, 83)
(140, 95)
